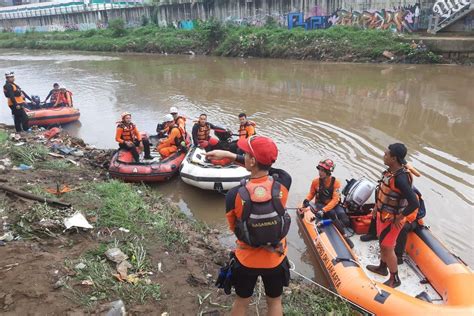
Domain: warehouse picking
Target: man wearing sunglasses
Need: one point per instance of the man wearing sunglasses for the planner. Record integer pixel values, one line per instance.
(256, 214)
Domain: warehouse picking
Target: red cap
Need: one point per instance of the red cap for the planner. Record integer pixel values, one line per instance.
(262, 148)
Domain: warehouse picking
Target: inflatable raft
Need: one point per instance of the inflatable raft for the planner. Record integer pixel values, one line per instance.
(197, 171)
(434, 280)
(52, 116)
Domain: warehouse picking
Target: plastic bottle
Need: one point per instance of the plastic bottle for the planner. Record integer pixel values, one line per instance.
(324, 223)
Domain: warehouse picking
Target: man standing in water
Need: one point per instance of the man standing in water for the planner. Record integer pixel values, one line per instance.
(256, 213)
(395, 200)
(16, 102)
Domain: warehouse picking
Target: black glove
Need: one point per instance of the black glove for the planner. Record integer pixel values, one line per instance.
(306, 203)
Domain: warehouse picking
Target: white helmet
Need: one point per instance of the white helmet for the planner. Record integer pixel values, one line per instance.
(168, 118)
(9, 74)
(173, 110)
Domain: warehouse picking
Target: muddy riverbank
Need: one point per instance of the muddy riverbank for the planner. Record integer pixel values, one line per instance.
(169, 260)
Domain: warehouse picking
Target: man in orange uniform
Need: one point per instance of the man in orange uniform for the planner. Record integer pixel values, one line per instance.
(325, 192)
(16, 102)
(395, 201)
(257, 216)
(174, 140)
(179, 120)
(129, 138)
(64, 98)
(246, 128)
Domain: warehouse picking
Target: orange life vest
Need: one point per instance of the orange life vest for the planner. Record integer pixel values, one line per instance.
(64, 98)
(324, 195)
(203, 132)
(243, 130)
(128, 134)
(388, 198)
(16, 92)
(177, 140)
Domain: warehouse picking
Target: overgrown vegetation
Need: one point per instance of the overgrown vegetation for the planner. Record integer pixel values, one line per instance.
(213, 37)
(309, 300)
(28, 154)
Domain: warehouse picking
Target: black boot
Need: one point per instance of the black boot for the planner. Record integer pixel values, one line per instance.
(368, 237)
(393, 281)
(372, 233)
(380, 269)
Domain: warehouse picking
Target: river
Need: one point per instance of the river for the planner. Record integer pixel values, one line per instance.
(346, 112)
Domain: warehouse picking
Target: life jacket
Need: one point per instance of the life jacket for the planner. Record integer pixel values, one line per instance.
(65, 98)
(127, 134)
(242, 129)
(16, 92)
(324, 195)
(203, 132)
(388, 199)
(265, 221)
(420, 212)
(54, 96)
(177, 140)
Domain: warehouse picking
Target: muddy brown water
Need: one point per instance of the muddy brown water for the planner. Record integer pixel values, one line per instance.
(346, 112)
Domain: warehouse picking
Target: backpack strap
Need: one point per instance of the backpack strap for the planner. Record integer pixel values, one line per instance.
(276, 198)
(247, 203)
(331, 186)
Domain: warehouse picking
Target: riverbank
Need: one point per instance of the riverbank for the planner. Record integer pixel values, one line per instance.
(336, 44)
(141, 253)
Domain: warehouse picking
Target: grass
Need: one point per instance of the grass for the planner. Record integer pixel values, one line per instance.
(57, 165)
(308, 300)
(3, 137)
(137, 209)
(226, 40)
(105, 286)
(28, 154)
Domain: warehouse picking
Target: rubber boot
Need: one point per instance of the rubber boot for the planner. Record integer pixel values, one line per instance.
(372, 233)
(393, 281)
(380, 269)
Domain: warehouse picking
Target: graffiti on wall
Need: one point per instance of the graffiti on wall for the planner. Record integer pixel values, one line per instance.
(402, 19)
(446, 8)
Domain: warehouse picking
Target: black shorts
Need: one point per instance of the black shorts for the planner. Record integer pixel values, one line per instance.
(244, 279)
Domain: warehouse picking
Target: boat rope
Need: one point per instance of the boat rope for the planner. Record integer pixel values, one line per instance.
(293, 269)
(337, 259)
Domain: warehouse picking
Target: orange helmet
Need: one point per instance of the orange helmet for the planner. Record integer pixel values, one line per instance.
(125, 114)
(327, 165)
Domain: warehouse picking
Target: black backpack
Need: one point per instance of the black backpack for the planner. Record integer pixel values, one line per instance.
(265, 222)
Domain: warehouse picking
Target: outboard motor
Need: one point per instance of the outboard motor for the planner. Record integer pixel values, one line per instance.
(223, 135)
(35, 102)
(356, 193)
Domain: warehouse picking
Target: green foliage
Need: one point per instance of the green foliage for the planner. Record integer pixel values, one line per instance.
(144, 20)
(338, 42)
(3, 137)
(58, 165)
(307, 300)
(28, 154)
(118, 27)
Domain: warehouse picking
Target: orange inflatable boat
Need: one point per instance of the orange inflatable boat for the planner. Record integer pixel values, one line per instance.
(434, 280)
(52, 116)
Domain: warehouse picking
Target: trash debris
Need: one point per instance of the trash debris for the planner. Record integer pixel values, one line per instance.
(388, 55)
(7, 237)
(116, 255)
(22, 167)
(133, 279)
(2, 243)
(15, 137)
(165, 314)
(124, 230)
(19, 144)
(77, 220)
(60, 283)
(122, 269)
(51, 133)
(6, 162)
(80, 266)
(77, 153)
(87, 282)
(159, 267)
(59, 190)
(116, 308)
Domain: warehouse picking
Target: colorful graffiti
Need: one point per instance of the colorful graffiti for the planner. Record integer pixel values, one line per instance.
(402, 19)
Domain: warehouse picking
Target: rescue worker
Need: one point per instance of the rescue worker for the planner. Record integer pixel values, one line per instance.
(180, 121)
(201, 133)
(246, 130)
(247, 127)
(256, 214)
(175, 138)
(413, 221)
(64, 98)
(53, 94)
(129, 138)
(16, 102)
(325, 190)
(395, 201)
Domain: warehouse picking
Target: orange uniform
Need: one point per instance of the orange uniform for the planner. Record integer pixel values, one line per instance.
(127, 133)
(246, 130)
(249, 256)
(332, 200)
(170, 144)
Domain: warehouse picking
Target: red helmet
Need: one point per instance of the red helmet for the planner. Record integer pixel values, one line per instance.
(327, 165)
